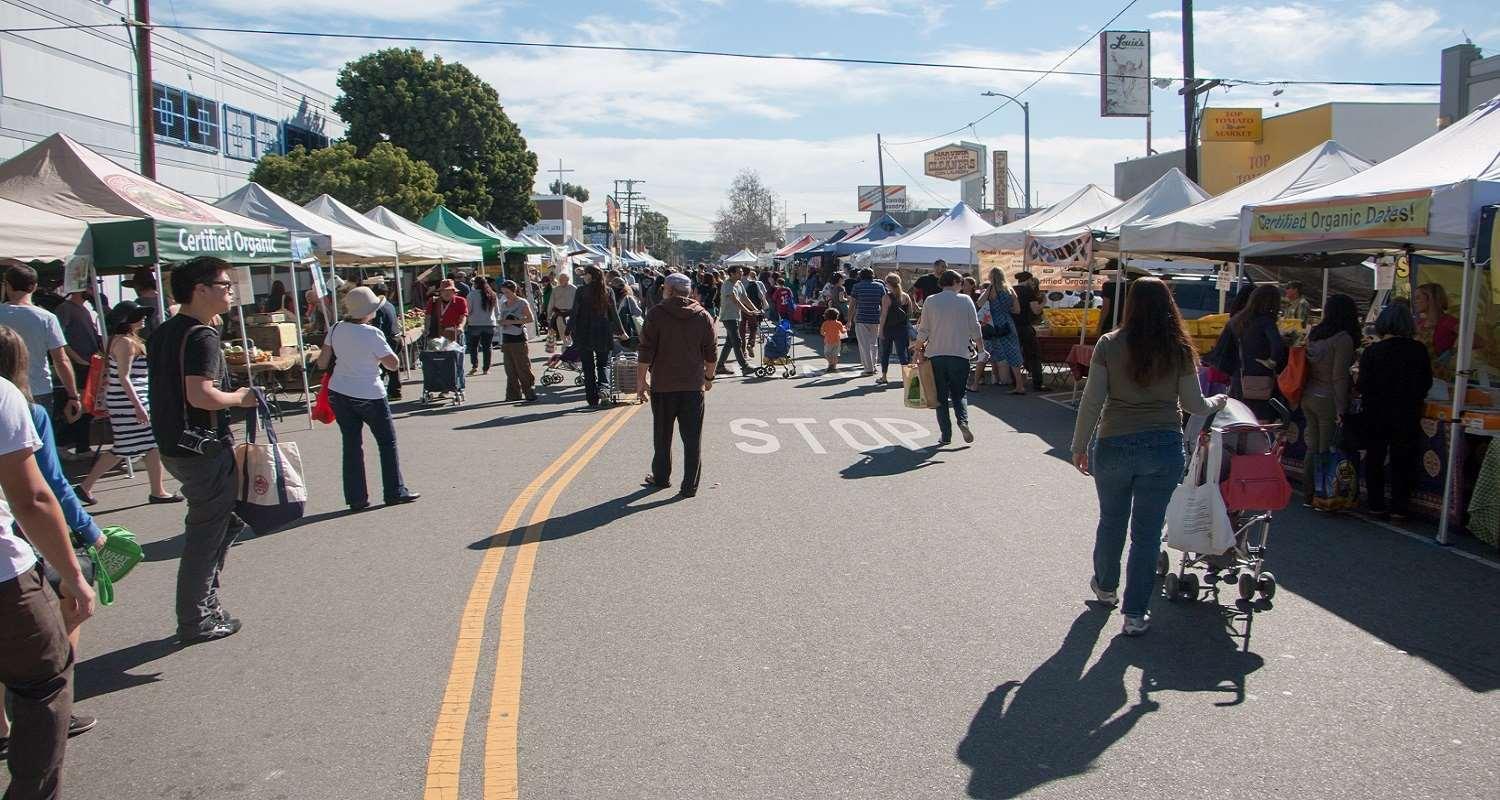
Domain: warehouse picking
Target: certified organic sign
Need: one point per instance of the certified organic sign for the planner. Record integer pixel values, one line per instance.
(1381, 216)
(1232, 125)
(951, 162)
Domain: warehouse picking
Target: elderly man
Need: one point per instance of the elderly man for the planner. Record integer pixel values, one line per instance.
(677, 353)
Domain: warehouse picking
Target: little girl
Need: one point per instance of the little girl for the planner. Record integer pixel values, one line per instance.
(833, 338)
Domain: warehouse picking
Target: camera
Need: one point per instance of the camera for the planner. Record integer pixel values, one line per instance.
(202, 441)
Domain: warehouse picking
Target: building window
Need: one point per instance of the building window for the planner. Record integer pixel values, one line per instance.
(296, 136)
(248, 137)
(185, 119)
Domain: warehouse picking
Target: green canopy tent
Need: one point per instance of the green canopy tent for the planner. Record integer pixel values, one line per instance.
(134, 221)
(441, 220)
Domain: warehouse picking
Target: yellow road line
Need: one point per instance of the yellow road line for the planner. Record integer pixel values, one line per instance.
(453, 713)
(501, 767)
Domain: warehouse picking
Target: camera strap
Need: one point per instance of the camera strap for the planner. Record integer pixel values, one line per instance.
(213, 416)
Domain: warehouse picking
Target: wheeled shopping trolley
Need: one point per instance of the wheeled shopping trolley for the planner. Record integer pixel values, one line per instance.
(443, 376)
(778, 350)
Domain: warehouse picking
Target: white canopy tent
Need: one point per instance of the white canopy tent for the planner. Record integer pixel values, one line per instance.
(1427, 197)
(328, 237)
(1213, 226)
(744, 258)
(31, 234)
(1078, 208)
(452, 250)
(946, 237)
(1171, 192)
(412, 251)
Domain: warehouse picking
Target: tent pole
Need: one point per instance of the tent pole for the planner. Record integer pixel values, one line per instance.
(401, 319)
(1466, 316)
(333, 288)
(291, 270)
(245, 334)
(1325, 289)
(161, 294)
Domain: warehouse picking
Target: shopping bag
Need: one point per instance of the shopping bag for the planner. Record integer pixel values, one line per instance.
(323, 409)
(93, 389)
(1294, 376)
(1197, 521)
(928, 384)
(1336, 476)
(1256, 482)
(911, 386)
(271, 493)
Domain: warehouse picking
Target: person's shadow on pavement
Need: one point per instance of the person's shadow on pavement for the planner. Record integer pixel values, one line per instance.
(1066, 714)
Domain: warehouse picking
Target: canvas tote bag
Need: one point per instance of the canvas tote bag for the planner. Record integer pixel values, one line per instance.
(1197, 521)
(271, 492)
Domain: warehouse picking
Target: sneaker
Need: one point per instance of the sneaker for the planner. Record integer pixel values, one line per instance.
(79, 725)
(968, 434)
(722, 370)
(218, 629)
(880, 380)
(1135, 626)
(1107, 598)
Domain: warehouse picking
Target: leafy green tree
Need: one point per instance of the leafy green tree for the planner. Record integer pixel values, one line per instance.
(444, 115)
(572, 190)
(691, 252)
(386, 176)
(651, 233)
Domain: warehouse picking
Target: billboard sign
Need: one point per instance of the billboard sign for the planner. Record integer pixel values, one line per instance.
(1232, 125)
(952, 162)
(1001, 178)
(1125, 74)
(895, 198)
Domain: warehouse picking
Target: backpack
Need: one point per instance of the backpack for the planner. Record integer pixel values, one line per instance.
(754, 294)
(896, 316)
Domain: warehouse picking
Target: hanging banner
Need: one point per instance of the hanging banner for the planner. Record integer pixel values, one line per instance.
(612, 213)
(1125, 74)
(1388, 216)
(1060, 262)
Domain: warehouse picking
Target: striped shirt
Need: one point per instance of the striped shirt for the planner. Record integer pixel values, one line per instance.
(867, 296)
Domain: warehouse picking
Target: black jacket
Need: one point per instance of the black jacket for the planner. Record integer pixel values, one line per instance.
(1394, 376)
(588, 327)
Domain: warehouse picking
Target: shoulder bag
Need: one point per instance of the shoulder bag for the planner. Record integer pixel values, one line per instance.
(271, 493)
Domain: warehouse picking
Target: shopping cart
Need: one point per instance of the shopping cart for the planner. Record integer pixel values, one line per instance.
(623, 373)
(443, 376)
(778, 349)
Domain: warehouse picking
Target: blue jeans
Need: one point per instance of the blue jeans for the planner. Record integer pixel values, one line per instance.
(888, 342)
(951, 376)
(353, 414)
(1134, 475)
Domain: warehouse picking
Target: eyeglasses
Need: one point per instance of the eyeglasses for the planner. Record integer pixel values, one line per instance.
(221, 284)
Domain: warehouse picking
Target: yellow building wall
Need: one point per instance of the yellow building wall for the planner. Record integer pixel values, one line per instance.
(1225, 165)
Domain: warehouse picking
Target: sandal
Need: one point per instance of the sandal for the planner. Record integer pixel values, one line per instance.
(161, 499)
(83, 496)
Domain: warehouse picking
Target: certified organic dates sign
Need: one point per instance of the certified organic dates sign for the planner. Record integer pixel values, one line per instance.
(951, 162)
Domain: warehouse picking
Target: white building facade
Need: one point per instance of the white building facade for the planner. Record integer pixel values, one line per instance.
(215, 114)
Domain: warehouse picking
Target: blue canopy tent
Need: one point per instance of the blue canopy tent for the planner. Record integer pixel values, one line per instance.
(825, 247)
(877, 231)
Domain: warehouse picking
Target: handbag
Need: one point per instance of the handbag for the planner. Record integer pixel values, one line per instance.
(1257, 387)
(271, 493)
(93, 389)
(1256, 482)
(1197, 519)
(1294, 376)
(322, 410)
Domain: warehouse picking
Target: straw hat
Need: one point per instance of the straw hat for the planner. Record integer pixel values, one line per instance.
(361, 302)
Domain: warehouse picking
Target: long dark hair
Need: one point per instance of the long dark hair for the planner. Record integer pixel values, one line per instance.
(487, 291)
(14, 361)
(1156, 343)
(1265, 301)
(1339, 315)
(596, 292)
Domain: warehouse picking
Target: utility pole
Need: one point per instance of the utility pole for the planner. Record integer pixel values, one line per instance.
(880, 159)
(630, 197)
(1189, 95)
(559, 171)
(146, 111)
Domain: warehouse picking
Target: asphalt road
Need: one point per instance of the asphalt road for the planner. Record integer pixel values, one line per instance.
(842, 611)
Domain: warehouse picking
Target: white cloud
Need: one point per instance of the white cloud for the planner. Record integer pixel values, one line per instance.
(931, 13)
(401, 10)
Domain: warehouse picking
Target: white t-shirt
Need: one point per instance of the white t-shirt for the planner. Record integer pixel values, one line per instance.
(42, 333)
(16, 433)
(358, 350)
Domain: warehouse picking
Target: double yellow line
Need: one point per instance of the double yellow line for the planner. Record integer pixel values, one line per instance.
(501, 778)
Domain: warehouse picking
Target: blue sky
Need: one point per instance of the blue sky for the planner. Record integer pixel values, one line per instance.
(685, 125)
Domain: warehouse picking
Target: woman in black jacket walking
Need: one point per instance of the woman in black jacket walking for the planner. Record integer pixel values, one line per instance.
(1262, 353)
(594, 326)
(1394, 376)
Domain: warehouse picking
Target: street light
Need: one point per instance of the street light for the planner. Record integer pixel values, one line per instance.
(1026, 112)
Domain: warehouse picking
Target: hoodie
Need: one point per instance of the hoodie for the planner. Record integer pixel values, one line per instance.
(676, 342)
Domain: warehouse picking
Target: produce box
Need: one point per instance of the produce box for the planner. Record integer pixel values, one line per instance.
(1070, 317)
(273, 337)
(1438, 410)
(1210, 325)
(1487, 420)
(267, 319)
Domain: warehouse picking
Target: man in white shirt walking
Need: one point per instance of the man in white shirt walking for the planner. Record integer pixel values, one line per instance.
(732, 306)
(43, 335)
(949, 328)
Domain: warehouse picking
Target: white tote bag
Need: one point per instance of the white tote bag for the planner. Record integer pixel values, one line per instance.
(1197, 521)
(271, 493)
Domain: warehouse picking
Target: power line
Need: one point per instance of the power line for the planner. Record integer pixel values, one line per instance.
(689, 52)
(920, 185)
(1029, 86)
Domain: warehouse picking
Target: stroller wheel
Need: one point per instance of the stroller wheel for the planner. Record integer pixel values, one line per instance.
(1190, 586)
(551, 379)
(1267, 586)
(791, 372)
(1163, 564)
(1247, 586)
(1172, 585)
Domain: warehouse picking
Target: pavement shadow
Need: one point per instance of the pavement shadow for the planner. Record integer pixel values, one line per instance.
(110, 672)
(860, 391)
(887, 461)
(1029, 414)
(520, 419)
(584, 520)
(1067, 712)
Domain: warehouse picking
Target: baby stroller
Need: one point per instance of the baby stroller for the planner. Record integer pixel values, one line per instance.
(777, 349)
(442, 374)
(1242, 457)
(566, 361)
